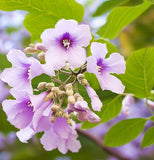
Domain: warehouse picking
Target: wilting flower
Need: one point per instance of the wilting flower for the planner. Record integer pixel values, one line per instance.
(65, 42)
(95, 101)
(84, 113)
(102, 67)
(22, 71)
(61, 136)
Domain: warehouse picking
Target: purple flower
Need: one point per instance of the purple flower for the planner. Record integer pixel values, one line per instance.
(84, 113)
(65, 42)
(95, 101)
(19, 111)
(22, 71)
(61, 136)
(102, 67)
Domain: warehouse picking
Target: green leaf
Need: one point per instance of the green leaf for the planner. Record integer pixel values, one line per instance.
(44, 13)
(151, 1)
(148, 138)
(139, 76)
(4, 63)
(124, 132)
(119, 18)
(107, 6)
(131, 3)
(112, 104)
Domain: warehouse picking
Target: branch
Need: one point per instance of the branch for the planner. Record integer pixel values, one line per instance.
(99, 142)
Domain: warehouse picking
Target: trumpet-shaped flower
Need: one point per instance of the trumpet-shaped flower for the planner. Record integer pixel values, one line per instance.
(102, 67)
(65, 42)
(22, 71)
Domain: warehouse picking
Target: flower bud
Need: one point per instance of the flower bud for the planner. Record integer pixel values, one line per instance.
(67, 66)
(40, 47)
(61, 93)
(71, 99)
(80, 77)
(78, 97)
(49, 85)
(55, 108)
(41, 56)
(68, 86)
(41, 85)
(84, 82)
(59, 113)
(69, 92)
(55, 89)
(30, 50)
(49, 96)
(32, 45)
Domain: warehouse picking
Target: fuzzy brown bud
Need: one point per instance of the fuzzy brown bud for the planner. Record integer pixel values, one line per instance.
(41, 56)
(84, 82)
(69, 92)
(55, 89)
(55, 108)
(49, 85)
(41, 85)
(49, 96)
(68, 86)
(71, 99)
(80, 77)
(78, 97)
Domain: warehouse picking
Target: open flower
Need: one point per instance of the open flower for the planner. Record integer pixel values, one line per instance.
(22, 71)
(84, 112)
(65, 42)
(102, 67)
(19, 111)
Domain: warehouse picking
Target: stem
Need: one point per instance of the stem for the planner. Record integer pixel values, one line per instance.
(99, 142)
(63, 85)
(57, 80)
(68, 73)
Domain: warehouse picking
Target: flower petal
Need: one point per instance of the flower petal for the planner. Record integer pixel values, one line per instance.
(64, 26)
(17, 58)
(116, 63)
(98, 50)
(110, 82)
(76, 56)
(83, 35)
(55, 58)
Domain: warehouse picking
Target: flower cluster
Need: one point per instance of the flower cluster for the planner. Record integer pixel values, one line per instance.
(62, 52)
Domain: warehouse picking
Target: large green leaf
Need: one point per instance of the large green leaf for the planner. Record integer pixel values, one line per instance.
(107, 6)
(148, 138)
(44, 13)
(139, 76)
(124, 132)
(119, 18)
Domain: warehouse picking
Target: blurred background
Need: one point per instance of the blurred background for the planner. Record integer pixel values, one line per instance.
(139, 34)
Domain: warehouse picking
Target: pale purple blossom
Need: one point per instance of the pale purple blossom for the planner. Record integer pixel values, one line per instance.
(22, 71)
(84, 112)
(20, 111)
(65, 43)
(102, 67)
(61, 136)
(95, 101)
